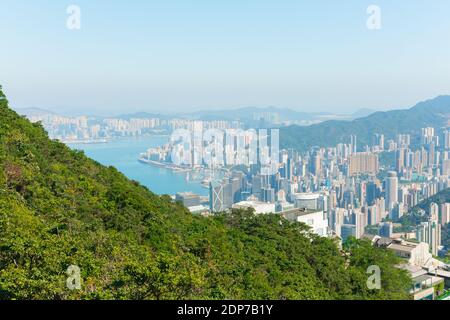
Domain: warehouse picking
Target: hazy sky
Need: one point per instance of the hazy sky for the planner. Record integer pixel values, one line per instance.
(180, 55)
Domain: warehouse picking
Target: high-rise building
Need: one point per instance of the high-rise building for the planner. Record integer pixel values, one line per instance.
(386, 229)
(353, 142)
(445, 213)
(397, 211)
(400, 159)
(197, 140)
(216, 202)
(268, 195)
(360, 220)
(391, 190)
(434, 212)
(228, 194)
(223, 194)
(337, 219)
(445, 167)
(403, 140)
(347, 230)
(446, 135)
(363, 163)
(435, 237)
(373, 192)
(289, 169)
(373, 215)
(430, 231)
(316, 164)
(427, 135)
(236, 182)
(378, 142)
(431, 154)
(307, 200)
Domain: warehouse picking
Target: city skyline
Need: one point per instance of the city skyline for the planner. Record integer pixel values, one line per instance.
(225, 150)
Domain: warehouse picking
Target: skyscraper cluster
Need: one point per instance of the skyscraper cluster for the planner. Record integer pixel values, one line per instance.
(354, 188)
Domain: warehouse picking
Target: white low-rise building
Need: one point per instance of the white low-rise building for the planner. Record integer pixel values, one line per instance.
(417, 254)
(200, 210)
(260, 207)
(313, 218)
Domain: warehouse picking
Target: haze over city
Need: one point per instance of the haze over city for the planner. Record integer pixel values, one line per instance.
(206, 152)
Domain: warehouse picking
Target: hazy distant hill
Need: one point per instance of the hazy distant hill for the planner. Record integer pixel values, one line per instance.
(251, 115)
(140, 115)
(435, 113)
(30, 112)
(364, 112)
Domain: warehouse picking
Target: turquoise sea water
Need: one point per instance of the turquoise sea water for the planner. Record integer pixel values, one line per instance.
(123, 154)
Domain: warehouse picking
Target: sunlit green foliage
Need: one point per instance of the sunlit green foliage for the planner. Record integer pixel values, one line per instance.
(59, 208)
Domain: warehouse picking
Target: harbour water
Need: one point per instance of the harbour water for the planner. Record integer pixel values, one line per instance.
(123, 153)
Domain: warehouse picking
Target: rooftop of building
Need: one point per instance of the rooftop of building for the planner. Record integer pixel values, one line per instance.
(393, 243)
(427, 280)
(306, 196)
(298, 212)
(199, 208)
(402, 247)
(251, 203)
(186, 194)
(413, 270)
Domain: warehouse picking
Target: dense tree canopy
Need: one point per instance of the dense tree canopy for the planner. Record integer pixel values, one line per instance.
(59, 208)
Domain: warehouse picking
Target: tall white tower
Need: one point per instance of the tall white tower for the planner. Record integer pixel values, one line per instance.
(391, 185)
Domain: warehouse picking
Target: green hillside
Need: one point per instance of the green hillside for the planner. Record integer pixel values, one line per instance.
(415, 217)
(435, 113)
(59, 208)
(439, 198)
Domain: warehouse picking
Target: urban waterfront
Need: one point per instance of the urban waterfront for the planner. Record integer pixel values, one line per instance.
(225, 151)
(123, 154)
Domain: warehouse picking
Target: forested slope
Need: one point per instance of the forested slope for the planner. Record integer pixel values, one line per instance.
(59, 208)
(434, 113)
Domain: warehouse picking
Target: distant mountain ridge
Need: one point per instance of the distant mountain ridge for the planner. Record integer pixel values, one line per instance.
(248, 115)
(249, 112)
(29, 112)
(434, 112)
(140, 115)
(363, 112)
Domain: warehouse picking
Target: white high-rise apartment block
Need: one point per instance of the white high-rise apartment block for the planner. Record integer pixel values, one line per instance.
(446, 139)
(427, 135)
(434, 212)
(430, 231)
(445, 213)
(391, 185)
